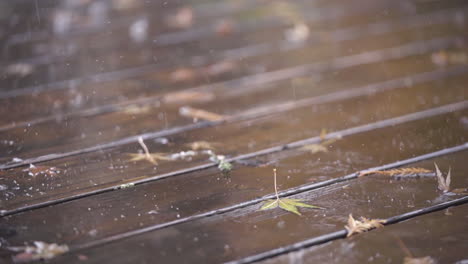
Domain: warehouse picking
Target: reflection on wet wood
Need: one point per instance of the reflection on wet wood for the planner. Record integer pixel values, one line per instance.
(156, 126)
(205, 238)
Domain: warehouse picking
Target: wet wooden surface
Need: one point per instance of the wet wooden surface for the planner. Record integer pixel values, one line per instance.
(81, 82)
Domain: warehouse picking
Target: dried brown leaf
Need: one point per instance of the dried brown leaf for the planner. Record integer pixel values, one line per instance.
(444, 58)
(202, 145)
(460, 191)
(200, 114)
(219, 68)
(42, 170)
(19, 69)
(403, 172)
(187, 97)
(359, 226)
(136, 109)
(224, 27)
(314, 148)
(443, 184)
(151, 157)
(423, 260)
(183, 75)
(298, 33)
(183, 18)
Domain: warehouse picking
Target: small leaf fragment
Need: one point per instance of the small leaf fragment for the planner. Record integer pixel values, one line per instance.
(288, 207)
(269, 204)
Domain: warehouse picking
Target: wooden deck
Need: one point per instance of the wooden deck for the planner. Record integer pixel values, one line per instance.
(320, 90)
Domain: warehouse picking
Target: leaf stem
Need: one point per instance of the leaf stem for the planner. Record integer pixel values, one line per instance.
(276, 188)
(145, 148)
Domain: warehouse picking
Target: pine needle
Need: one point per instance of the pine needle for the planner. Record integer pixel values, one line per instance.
(359, 226)
(403, 172)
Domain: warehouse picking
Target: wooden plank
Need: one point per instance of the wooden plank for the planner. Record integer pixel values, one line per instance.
(223, 237)
(182, 197)
(32, 109)
(36, 140)
(440, 235)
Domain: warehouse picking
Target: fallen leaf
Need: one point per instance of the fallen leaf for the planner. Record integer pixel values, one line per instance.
(287, 11)
(322, 146)
(299, 33)
(200, 114)
(126, 185)
(443, 184)
(183, 75)
(423, 260)
(223, 164)
(224, 27)
(151, 157)
(398, 172)
(40, 250)
(290, 205)
(183, 18)
(460, 191)
(314, 148)
(187, 97)
(125, 4)
(19, 69)
(136, 109)
(41, 170)
(444, 58)
(219, 68)
(323, 133)
(363, 225)
(201, 145)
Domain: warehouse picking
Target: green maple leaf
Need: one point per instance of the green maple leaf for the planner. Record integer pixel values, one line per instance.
(287, 204)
